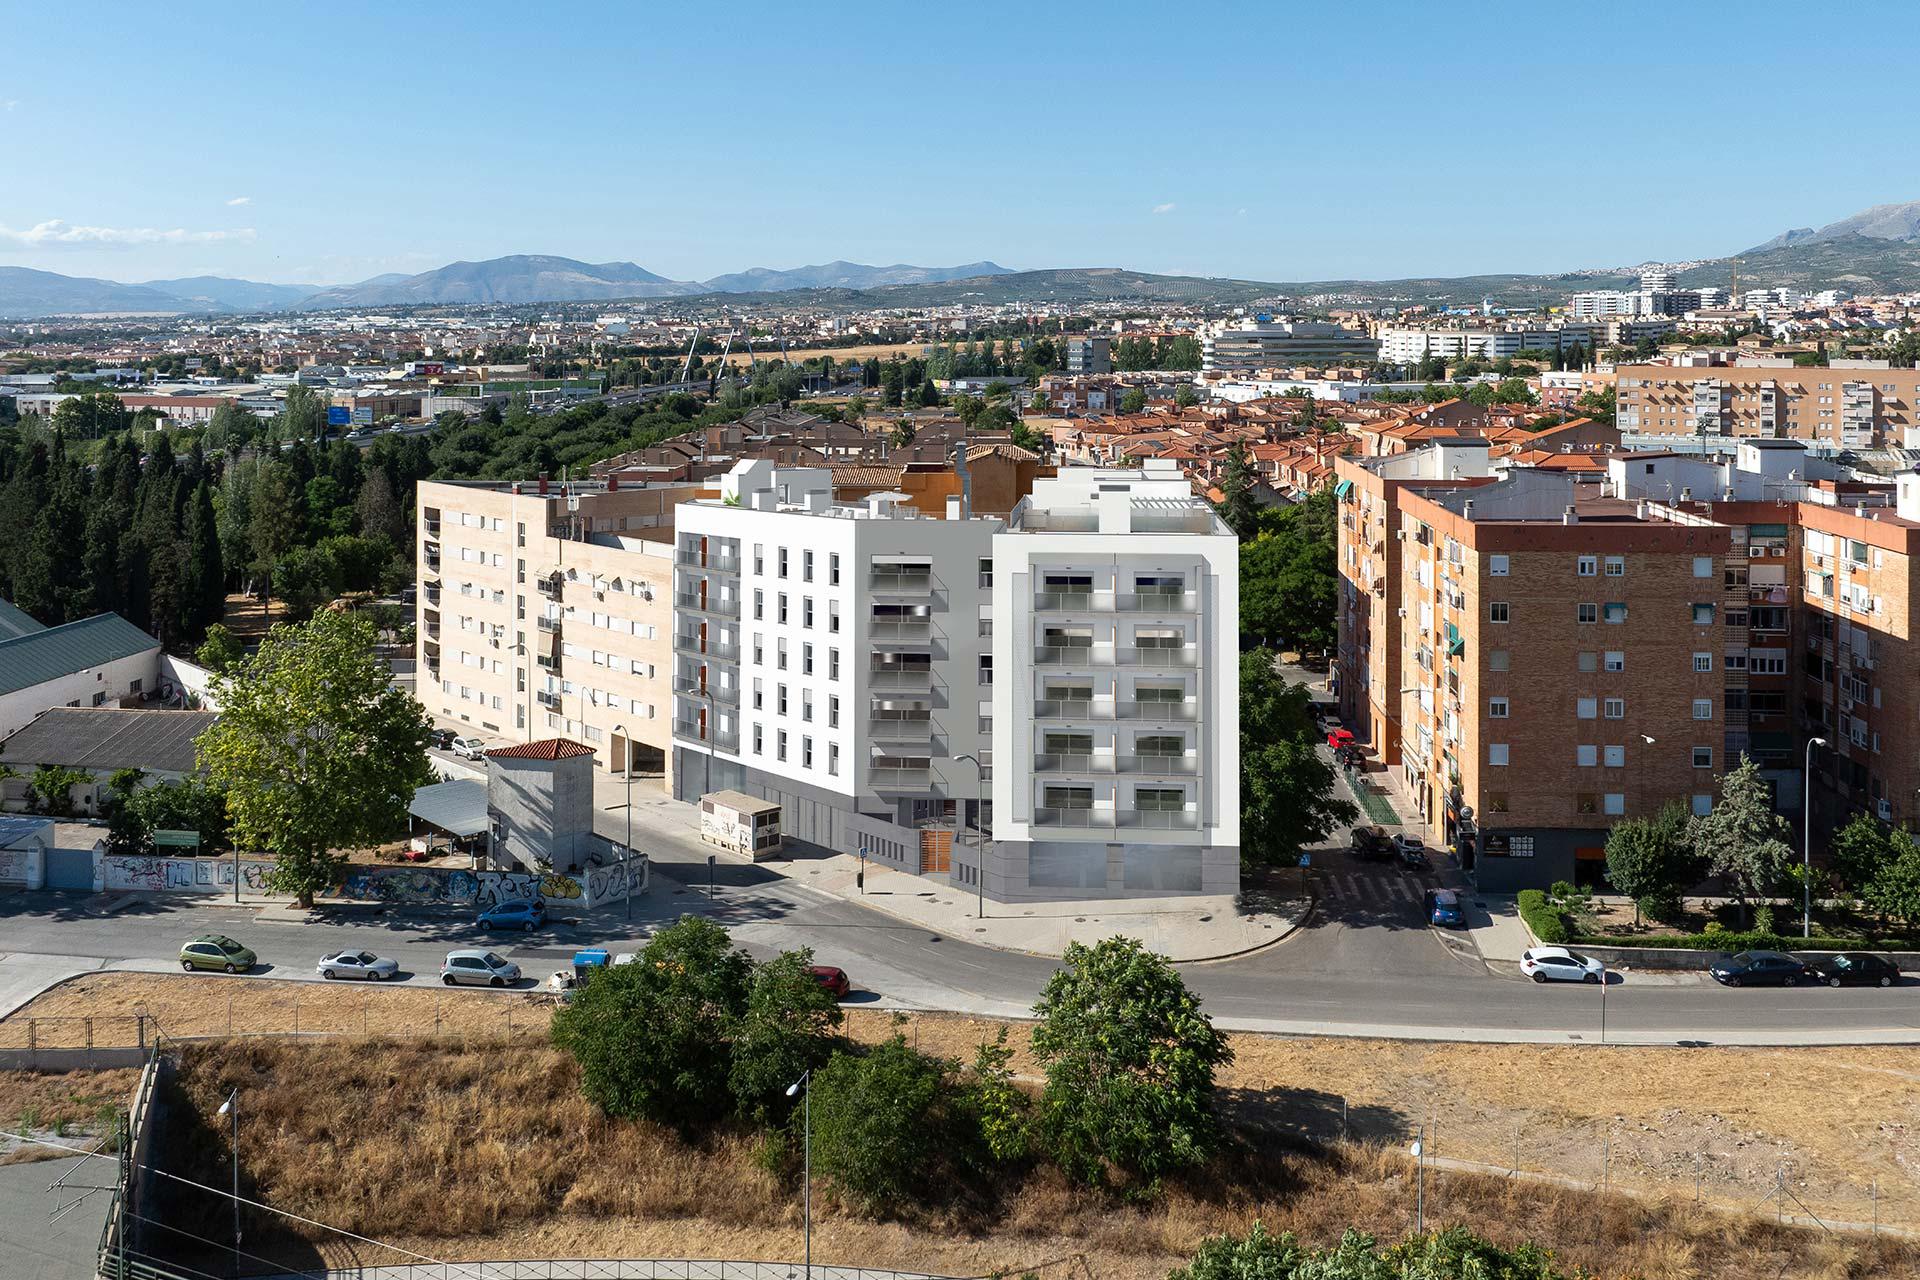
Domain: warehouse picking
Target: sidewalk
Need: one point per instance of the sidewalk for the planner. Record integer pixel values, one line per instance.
(1185, 928)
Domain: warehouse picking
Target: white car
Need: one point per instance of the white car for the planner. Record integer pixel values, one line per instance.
(478, 968)
(357, 964)
(468, 748)
(1557, 964)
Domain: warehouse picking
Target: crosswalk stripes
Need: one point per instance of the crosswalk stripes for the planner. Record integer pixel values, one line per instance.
(1361, 886)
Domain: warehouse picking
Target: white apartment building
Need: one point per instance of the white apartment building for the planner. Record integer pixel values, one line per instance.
(544, 609)
(865, 665)
(1248, 346)
(1406, 344)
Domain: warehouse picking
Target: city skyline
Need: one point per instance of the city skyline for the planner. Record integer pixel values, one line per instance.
(1033, 140)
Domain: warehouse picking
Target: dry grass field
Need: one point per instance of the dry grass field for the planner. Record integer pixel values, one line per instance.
(65, 1106)
(371, 1135)
(841, 355)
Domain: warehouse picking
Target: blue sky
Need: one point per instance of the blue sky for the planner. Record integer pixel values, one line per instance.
(1277, 141)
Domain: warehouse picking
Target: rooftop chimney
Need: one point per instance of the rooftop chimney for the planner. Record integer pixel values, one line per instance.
(1686, 495)
(543, 484)
(1570, 516)
(613, 482)
(1467, 510)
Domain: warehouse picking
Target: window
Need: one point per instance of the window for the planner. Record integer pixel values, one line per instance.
(1703, 757)
(1588, 661)
(1615, 612)
(833, 711)
(1614, 757)
(806, 705)
(759, 604)
(758, 694)
(806, 566)
(1769, 662)
(1586, 757)
(1586, 566)
(1702, 615)
(1496, 708)
(806, 612)
(1496, 801)
(756, 739)
(1496, 611)
(986, 669)
(833, 664)
(1616, 709)
(1586, 613)
(806, 753)
(759, 560)
(1616, 660)
(780, 652)
(806, 659)
(833, 617)
(1067, 798)
(1703, 708)
(1613, 803)
(1496, 566)
(1586, 708)
(783, 607)
(1702, 806)
(780, 745)
(833, 758)
(1616, 566)
(1159, 799)
(780, 701)
(1703, 662)
(1498, 660)
(1496, 753)
(1703, 566)
(1585, 803)
(986, 571)
(783, 570)
(833, 568)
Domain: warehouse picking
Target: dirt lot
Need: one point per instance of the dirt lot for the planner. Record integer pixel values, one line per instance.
(841, 355)
(248, 621)
(1837, 1125)
(65, 1106)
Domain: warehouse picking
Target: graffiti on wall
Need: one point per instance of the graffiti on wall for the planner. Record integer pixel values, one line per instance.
(13, 865)
(411, 886)
(182, 875)
(611, 884)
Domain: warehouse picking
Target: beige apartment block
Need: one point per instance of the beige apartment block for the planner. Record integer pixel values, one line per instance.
(546, 609)
(1852, 406)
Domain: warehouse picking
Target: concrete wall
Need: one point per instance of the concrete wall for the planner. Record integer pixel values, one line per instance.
(541, 809)
(179, 875)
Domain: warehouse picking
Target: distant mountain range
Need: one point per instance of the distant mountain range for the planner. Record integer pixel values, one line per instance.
(1875, 251)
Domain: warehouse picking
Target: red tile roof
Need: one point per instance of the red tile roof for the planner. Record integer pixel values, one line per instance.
(545, 749)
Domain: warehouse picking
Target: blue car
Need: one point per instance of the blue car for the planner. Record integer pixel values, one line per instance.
(1446, 908)
(526, 916)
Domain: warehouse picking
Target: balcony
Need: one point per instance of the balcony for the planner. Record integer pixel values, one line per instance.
(1186, 655)
(919, 679)
(549, 700)
(903, 730)
(1068, 600)
(714, 561)
(1160, 819)
(1159, 765)
(433, 631)
(899, 778)
(708, 647)
(1055, 763)
(430, 557)
(1158, 602)
(1072, 655)
(551, 625)
(432, 596)
(711, 604)
(1046, 817)
(901, 631)
(692, 730)
(549, 585)
(433, 529)
(901, 579)
(1071, 709)
(688, 687)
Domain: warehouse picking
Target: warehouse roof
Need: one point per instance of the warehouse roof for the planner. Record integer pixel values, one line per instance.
(15, 621)
(458, 807)
(107, 738)
(40, 656)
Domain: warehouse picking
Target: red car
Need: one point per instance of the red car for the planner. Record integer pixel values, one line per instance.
(834, 980)
(1338, 738)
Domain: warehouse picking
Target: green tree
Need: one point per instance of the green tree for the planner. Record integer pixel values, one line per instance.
(1652, 861)
(999, 1107)
(52, 787)
(652, 1037)
(1185, 396)
(1133, 401)
(304, 415)
(879, 1124)
(1895, 888)
(1237, 505)
(204, 592)
(1129, 1059)
(1289, 575)
(1861, 850)
(220, 650)
(929, 394)
(1287, 797)
(315, 748)
(1743, 840)
(786, 1028)
(1598, 405)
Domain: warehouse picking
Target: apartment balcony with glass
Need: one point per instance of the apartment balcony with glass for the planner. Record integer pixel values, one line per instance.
(716, 555)
(901, 578)
(899, 626)
(900, 773)
(705, 646)
(713, 603)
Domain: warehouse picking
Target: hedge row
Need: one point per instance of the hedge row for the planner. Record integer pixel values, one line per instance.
(1548, 923)
(1728, 940)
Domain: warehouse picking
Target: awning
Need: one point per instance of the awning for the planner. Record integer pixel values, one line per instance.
(1341, 489)
(1456, 644)
(458, 807)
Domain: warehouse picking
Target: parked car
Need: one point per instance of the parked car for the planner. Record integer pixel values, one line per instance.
(1411, 848)
(833, 979)
(1557, 964)
(1370, 842)
(357, 964)
(468, 748)
(1338, 737)
(1854, 969)
(216, 951)
(1757, 969)
(526, 916)
(1443, 908)
(441, 738)
(478, 969)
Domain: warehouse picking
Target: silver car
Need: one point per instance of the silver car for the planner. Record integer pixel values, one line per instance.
(357, 964)
(478, 968)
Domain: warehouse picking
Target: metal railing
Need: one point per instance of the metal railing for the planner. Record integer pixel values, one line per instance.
(1150, 762)
(1158, 602)
(717, 561)
(1072, 709)
(885, 778)
(908, 679)
(592, 1269)
(717, 605)
(695, 689)
(1075, 655)
(881, 579)
(1149, 819)
(1160, 819)
(881, 632)
(723, 739)
(1056, 762)
(1151, 709)
(709, 647)
(1044, 816)
(548, 624)
(1185, 655)
(1045, 600)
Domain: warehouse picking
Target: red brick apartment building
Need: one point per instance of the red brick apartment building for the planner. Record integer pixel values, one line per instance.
(1543, 654)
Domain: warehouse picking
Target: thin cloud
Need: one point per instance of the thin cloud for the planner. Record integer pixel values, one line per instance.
(9, 104)
(55, 234)
(1164, 208)
(237, 201)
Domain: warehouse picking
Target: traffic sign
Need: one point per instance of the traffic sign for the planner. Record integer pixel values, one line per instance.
(176, 839)
(1306, 859)
(339, 416)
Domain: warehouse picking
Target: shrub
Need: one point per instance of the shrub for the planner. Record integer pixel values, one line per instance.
(787, 1028)
(1663, 905)
(1546, 920)
(1763, 919)
(998, 1105)
(877, 1122)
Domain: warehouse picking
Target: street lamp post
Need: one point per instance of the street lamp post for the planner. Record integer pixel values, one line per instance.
(804, 1087)
(1420, 1182)
(713, 734)
(1806, 840)
(626, 850)
(231, 1109)
(980, 838)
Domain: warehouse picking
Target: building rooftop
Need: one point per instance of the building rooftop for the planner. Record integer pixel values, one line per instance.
(52, 652)
(108, 738)
(15, 621)
(544, 749)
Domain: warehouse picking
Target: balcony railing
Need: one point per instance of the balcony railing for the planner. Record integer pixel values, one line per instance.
(1154, 656)
(694, 689)
(1157, 602)
(708, 648)
(890, 778)
(1168, 765)
(433, 528)
(907, 630)
(1144, 819)
(1148, 709)
(1047, 817)
(1160, 819)
(1071, 709)
(723, 739)
(548, 624)
(1072, 763)
(1066, 600)
(718, 606)
(549, 587)
(718, 562)
(546, 699)
(883, 578)
(910, 678)
(1072, 655)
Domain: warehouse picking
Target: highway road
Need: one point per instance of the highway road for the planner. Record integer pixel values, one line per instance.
(1365, 963)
